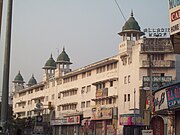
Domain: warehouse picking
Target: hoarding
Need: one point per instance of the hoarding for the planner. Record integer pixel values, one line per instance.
(100, 113)
(160, 100)
(174, 16)
(70, 120)
(173, 96)
(157, 81)
(130, 119)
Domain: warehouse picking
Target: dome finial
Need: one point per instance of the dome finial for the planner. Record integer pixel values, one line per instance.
(51, 55)
(63, 48)
(132, 12)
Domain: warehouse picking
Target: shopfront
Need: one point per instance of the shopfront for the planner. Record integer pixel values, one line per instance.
(132, 124)
(103, 121)
(167, 106)
(69, 125)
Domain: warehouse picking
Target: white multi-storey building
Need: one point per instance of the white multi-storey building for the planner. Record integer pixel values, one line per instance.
(105, 97)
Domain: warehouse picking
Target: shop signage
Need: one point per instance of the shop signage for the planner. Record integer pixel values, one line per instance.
(58, 121)
(66, 121)
(160, 100)
(130, 119)
(157, 81)
(173, 96)
(102, 93)
(174, 16)
(147, 132)
(101, 113)
(159, 32)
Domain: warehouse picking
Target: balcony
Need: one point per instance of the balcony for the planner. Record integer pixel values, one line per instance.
(156, 45)
(155, 48)
(159, 63)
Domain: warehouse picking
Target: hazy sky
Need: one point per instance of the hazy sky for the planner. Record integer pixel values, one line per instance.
(86, 28)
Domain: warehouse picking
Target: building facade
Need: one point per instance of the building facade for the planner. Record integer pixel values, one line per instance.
(107, 97)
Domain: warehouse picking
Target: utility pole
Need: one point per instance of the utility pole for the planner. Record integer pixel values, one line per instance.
(5, 87)
(151, 88)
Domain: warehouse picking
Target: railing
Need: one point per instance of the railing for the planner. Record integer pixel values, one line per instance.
(156, 48)
(159, 63)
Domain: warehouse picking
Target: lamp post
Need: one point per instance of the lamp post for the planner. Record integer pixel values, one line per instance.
(5, 87)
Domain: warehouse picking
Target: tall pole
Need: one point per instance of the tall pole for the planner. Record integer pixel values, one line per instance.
(5, 87)
(151, 88)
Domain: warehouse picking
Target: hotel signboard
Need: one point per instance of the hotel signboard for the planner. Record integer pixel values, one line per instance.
(174, 16)
(156, 32)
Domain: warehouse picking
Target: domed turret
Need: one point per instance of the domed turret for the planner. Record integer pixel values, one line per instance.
(18, 79)
(63, 57)
(131, 29)
(18, 82)
(62, 63)
(131, 24)
(49, 68)
(50, 63)
(32, 81)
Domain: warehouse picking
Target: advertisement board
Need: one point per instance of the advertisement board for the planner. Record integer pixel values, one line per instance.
(160, 100)
(157, 81)
(130, 119)
(173, 96)
(100, 113)
(174, 16)
(101, 92)
(70, 120)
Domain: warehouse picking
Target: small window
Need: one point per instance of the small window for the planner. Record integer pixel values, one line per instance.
(111, 83)
(110, 100)
(82, 104)
(84, 75)
(88, 103)
(124, 97)
(88, 88)
(129, 78)
(88, 73)
(83, 90)
(128, 97)
(125, 80)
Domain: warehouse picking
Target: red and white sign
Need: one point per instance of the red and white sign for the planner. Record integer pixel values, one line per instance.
(70, 120)
(174, 16)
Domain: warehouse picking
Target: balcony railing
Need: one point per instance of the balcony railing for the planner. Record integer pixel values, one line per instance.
(159, 63)
(155, 48)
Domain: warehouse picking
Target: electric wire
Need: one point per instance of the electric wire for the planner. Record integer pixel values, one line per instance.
(120, 10)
